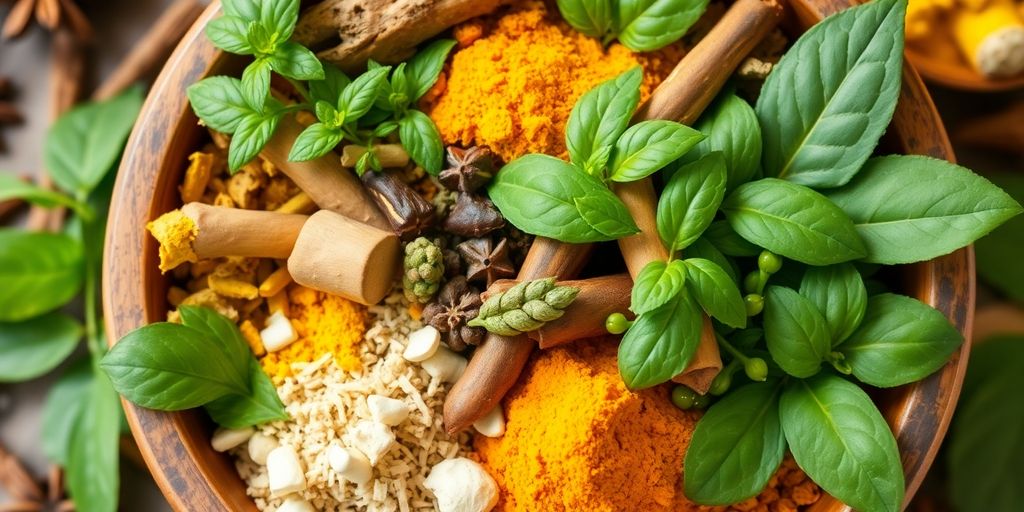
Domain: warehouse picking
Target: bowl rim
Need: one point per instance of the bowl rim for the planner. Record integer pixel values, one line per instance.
(168, 441)
(958, 75)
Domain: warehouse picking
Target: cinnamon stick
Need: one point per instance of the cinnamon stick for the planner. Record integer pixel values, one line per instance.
(330, 186)
(223, 231)
(153, 49)
(682, 97)
(585, 317)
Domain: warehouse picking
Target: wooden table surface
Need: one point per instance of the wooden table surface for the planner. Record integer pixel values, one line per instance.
(119, 23)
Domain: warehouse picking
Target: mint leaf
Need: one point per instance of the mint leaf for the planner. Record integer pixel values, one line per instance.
(329, 88)
(648, 25)
(425, 67)
(294, 61)
(647, 146)
(63, 408)
(252, 134)
(33, 347)
(420, 138)
(92, 470)
(218, 101)
(716, 292)
(260, 406)
(248, 10)
(839, 294)
(39, 271)
(795, 331)
(660, 343)
(256, 84)
(656, 284)
(601, 116)
(592, 18)
(690, 201)
(279, 16)
(731, 127)
(230, 33)
(357, 98)
(314, 142)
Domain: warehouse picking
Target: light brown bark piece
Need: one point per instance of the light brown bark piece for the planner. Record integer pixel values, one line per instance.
(223, 231)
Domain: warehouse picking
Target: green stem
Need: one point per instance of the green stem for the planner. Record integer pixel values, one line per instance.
(731, 349)
(762, 281)
(301, 89)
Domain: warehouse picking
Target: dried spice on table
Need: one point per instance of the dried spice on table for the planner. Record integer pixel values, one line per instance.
(26, 493)
(424, 269)
(50, 14)
(486, 261)
(455, 306)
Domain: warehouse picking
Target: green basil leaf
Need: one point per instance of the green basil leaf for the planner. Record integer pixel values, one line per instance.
(731, 127)
(987, 437)
(901, 340)
(422, 140)
(915, 208)
(248, 10)
(216, 326)
(600, 116)
(999, 254)
(690, 201)
(793, 221)
(256, 84)
(399, 85)
(592, 18)
(295, 61)
(78, 154)
(314, 142)
(280, 17)
(171, 367)
(701, 248)
(649, 25)
(32, 348)
(839, 294)
(841, 441)
(63, 408)
(92, 471)
(541, 195)
(240, 411)
(656, 284)
(736, 448)
(819, 123)
(329, 88)
(358, 96)
(795, 331)
(425, 67)
(716, 292)
(722, 236)
(11, 187)
(218, 101)
(252, 134)
(660, 343)
(229, 34)
(39, 271)
(647, 146)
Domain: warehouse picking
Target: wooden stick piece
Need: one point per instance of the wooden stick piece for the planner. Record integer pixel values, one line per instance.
(222, 231)
(585, 317)
(686, 92)
(499, 360)
(338, 255)
(153, 49)
(384, 30)
(330, 186)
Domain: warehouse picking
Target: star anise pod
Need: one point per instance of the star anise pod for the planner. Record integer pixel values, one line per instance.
(9, 114)
(455, 305)
(473, 216)
(49, 14)
(26, 493)
(468, 169)
(485, 261)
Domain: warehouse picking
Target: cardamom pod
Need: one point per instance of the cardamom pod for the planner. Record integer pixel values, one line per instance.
(525, 307)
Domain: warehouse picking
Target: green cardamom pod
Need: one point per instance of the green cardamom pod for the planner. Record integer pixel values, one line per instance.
(525, 307)
(424, 269)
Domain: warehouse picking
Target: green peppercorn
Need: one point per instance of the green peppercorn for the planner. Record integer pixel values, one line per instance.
(617, 323)
(701, 402)
(752, 282)
(755, 304)
(721, 384)
(769, 262)
(683, 397)
(756, 369)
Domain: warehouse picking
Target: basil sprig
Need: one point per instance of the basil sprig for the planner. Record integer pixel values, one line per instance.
(204, 361)
(360, 110)
(640, 25)
(571, 202)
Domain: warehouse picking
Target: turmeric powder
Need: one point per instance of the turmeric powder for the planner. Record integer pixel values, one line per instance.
(325, 324)
(175, 232)
(577, 439)
(515, 80)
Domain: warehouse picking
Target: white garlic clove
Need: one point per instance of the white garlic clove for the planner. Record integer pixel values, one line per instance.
(260, 445)
(422, 344)
(225, 439)
(491, 424)
(295, 504)
(372, 438)
(350, 464)
(445, 365)
(279, 332)
(461, 485)
(388, 411)
(284, 470)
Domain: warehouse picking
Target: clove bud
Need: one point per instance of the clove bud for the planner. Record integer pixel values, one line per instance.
(473, 217)
(405, 210)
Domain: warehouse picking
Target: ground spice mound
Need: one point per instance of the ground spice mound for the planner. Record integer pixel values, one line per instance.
(577, 439)
(514, 87)
(325, 324)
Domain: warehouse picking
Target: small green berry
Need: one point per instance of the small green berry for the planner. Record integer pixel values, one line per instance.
(769, 262)
(701, 402)
(683, 397)
(755, 304)
(617, 323)
(721, 384)
(756, 369)
(752, 281)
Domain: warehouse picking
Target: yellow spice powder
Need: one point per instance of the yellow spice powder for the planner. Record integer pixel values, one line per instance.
(175, 232)
(325, 324)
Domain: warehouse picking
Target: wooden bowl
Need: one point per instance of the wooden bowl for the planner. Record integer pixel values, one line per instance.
(957, 74)
(176, 446)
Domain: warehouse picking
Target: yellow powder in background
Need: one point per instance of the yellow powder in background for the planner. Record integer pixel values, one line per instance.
(513, 88)
(325, 324)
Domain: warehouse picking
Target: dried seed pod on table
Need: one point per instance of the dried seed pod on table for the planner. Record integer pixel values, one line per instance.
(424, 269)
(486, 261)
(455, 306)
(524, 307)
(405, 210)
